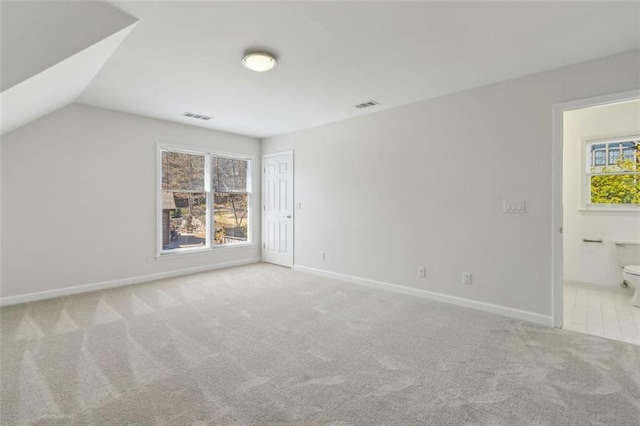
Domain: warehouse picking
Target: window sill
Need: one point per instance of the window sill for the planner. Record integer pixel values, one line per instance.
(177, 253)
(232, 246)
(604, 209)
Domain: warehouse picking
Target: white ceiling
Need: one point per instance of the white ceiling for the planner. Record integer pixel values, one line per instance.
(50, 53)
(35, 35)
(185, 56)
(57, 86)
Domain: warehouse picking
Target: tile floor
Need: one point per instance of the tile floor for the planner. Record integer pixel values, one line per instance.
(601, 313)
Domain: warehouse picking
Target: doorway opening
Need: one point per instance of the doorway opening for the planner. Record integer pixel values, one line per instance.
(597, 216)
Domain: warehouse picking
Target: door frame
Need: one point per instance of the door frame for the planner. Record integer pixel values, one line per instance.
(557, 158)
(293, 207)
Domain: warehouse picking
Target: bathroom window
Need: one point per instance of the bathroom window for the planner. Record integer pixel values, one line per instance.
(612, 173)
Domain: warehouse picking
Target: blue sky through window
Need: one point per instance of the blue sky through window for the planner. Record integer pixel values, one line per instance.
(603, 154)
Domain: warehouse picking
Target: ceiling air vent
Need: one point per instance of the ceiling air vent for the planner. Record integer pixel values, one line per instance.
(197, 116)
(366, 104)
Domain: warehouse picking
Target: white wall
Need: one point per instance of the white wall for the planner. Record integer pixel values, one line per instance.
(79, 199)
(589, 263)
(0, 217)
(424, 184)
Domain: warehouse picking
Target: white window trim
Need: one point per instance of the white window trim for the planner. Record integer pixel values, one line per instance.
(209, 247)
(585, 182)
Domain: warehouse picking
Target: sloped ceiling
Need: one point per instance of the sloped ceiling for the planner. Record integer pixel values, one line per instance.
(185, 55)
(50, 53)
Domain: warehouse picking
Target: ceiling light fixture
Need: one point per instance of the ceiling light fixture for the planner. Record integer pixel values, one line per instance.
(259, 61)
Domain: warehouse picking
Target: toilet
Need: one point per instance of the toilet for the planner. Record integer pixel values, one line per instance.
(628, 254)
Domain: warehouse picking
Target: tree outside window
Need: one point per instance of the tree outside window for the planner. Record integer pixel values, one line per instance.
(614, 172)
(195, 184)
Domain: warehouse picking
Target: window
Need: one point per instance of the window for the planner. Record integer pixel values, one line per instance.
(184, 201)
(231, 199)
(613, 172)
(205, 200)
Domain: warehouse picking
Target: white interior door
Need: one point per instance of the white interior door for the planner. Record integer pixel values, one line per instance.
(277, 212)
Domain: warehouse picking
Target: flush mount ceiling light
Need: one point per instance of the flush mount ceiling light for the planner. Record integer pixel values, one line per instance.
(259, 61)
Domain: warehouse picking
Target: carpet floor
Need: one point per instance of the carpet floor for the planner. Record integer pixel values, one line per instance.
(262, 344)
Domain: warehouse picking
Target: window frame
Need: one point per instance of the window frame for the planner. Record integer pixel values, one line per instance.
(586, 205)
(209, 246)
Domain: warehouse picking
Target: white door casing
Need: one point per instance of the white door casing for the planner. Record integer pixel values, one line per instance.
(557, 268)
(277, 210)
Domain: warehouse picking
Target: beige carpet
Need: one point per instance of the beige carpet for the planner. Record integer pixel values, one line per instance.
(265, 345)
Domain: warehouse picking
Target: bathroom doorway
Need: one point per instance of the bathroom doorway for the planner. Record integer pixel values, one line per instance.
(599, 209)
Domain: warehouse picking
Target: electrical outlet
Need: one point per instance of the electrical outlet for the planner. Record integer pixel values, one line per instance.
(466, 278)
(422, 271)
(323, 256)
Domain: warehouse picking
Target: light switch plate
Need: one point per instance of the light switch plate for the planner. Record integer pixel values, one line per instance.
(513, 206)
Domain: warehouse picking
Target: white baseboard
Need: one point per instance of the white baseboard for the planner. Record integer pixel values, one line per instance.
(454, 300)
(67, 291)
(599, 287)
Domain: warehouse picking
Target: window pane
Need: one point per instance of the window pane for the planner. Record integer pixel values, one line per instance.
(629, 154)
(184, 219)
(229, 175)
(231, 210)
(182, 172)
(614, 154)
(615, 189)
(599, 157)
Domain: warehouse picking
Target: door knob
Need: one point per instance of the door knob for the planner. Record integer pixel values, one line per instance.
(289, 217)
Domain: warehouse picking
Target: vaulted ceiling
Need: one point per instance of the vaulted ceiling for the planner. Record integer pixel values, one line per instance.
(185, 56)
(50, 53)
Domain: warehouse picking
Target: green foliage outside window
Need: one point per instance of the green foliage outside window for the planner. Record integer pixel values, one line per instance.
(617, 188)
